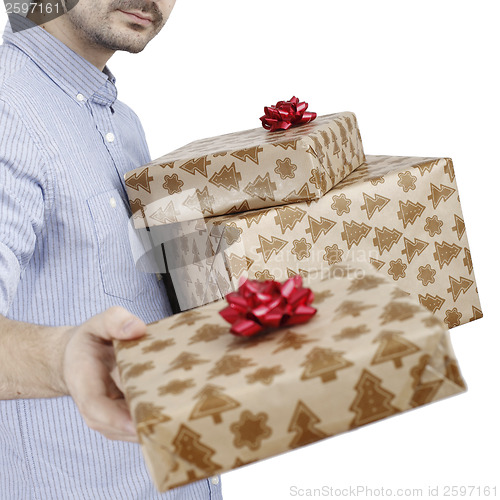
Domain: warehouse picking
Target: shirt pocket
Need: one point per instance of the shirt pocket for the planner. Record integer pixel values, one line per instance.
(120, 277)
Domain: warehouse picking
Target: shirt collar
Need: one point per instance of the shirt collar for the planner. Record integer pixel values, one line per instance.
(70, 71)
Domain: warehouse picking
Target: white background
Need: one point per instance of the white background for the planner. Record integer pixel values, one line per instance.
(423, 80)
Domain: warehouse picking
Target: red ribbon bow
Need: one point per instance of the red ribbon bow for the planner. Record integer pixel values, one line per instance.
(286, 114)
(258, 305)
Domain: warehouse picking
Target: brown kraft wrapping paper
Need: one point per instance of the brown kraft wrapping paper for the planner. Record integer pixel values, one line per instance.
(245, 171)
(402, 214)
(205, 402)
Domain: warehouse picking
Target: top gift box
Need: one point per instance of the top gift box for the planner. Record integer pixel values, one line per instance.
(245, 171)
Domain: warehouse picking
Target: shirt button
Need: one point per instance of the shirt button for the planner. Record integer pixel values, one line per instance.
(112, 202)
(110, 137)
(215, 480)
(80, 97)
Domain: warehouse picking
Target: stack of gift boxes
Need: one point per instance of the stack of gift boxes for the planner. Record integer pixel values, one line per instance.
(380, 240)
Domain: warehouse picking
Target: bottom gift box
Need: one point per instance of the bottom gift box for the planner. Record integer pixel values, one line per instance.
(205, 401)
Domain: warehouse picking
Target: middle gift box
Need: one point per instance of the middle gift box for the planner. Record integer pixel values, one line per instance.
(245, 171)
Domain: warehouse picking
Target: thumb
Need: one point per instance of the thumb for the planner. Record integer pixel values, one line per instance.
(116, 323)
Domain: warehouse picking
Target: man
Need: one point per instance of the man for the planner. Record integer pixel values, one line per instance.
(65, 258)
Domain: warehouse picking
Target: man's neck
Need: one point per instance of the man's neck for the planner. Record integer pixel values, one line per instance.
(62, 29)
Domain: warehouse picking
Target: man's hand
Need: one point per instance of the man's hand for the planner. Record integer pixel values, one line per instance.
(90, 372)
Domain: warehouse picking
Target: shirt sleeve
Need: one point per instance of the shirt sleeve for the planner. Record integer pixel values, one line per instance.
(22, 203)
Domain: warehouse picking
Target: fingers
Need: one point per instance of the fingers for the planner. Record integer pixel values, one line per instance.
(115, 323)
(102, 405)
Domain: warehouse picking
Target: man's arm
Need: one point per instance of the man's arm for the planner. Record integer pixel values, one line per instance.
(43, 362)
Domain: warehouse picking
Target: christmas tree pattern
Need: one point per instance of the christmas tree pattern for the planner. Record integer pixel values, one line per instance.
(140, 181)
(372, 401)
(201, 201)
(176, 386)
(409, 211)
(238, 265)
(431, 302)
(268, 247)
(291, 340)
(188, 446)
(413, 248)
(288, 217)
(287, 144)
(467, 260)
(173, 184)
(351, 308)
(326, 138)
(426, 166)
(448, 169)
(320, 297)
(433, 225)
(251, 153)
(318, 149)
(439, 194)
(336, 148)
(158, 345)
(170, 164)
(207, 333)
(186, 361)
(424, 392)
(458, 287)
(324, 363)
(265, 375)
(374, 204)
(398, 311)
(349, 124)
(476, 313)
(138, 369)
(303, 423)
(285, 168)
(196, 165)
(385, 238)
(253, 217)
(318, 227)
(341, 204)
(377, 264)
(393, 347)
(445, 253)
(453, 317)
(244, 207)
(343, 132)
(227, 178)
(354, 232)
(212, 402)
(459, 226)
(352, 332)
(303, 194)
(165, 214)
(367, 282)
(250, 430)
(453, 372)
(147, 416)
(262, 188)
(132, 392)
(230, 364)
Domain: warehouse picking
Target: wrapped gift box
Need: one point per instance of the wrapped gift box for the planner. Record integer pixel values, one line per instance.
(245, 171)
(402, 214)
(205, 401)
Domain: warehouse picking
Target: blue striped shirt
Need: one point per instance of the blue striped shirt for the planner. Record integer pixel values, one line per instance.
(65, 143)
